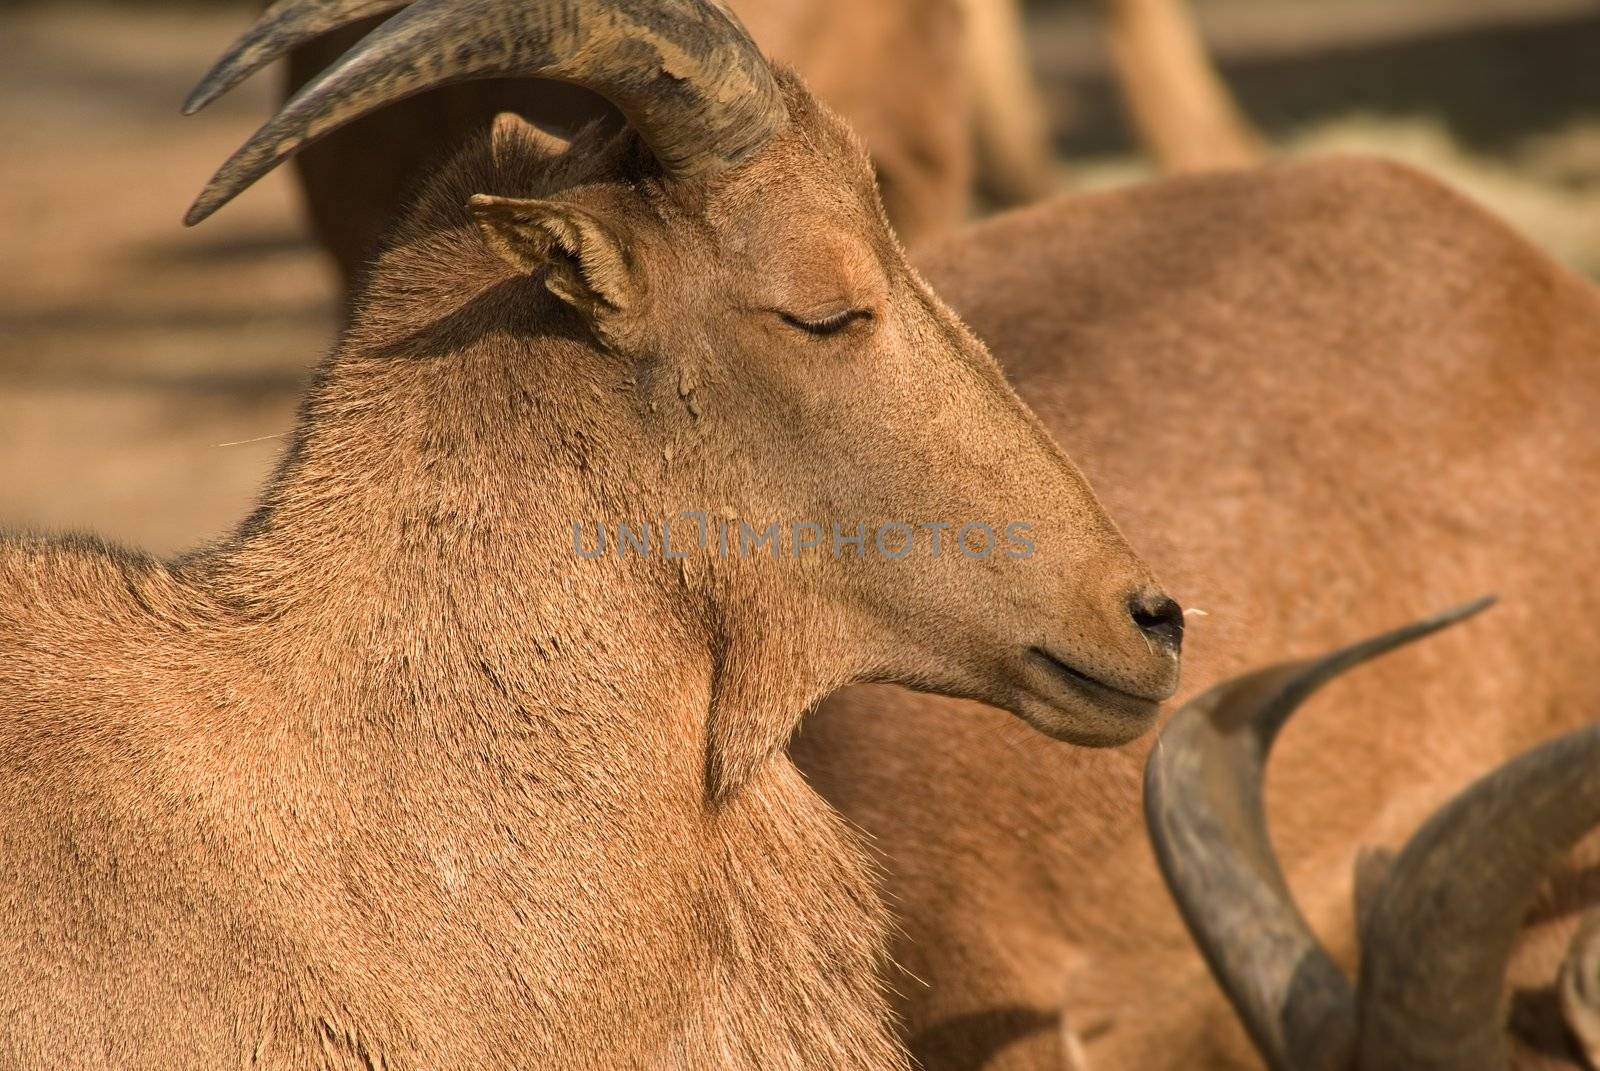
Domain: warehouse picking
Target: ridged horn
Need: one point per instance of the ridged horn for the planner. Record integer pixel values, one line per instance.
(684, 72)
(1441, 932)
(1203, 806)
(282, 27)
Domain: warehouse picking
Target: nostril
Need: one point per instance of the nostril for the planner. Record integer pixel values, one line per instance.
(1159, 618)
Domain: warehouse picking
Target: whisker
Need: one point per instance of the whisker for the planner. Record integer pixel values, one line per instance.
(257, 439)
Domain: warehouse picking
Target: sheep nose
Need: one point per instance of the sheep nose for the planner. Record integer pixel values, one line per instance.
(1159, 617)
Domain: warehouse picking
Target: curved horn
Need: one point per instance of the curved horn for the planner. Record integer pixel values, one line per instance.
(1441, 932)
(1204, 810)
(684, 72)
(282, 27)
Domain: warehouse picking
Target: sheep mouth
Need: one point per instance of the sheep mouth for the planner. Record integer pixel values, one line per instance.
(1133, 703)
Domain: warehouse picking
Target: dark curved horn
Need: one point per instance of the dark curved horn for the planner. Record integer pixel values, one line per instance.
(1442, 930)
(684, 73)
(1204, 810)
(284, 26)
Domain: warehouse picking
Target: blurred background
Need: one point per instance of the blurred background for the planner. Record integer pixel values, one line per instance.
(148, 373)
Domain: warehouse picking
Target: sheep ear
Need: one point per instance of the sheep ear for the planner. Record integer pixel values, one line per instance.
(512, 137)
(583, 259)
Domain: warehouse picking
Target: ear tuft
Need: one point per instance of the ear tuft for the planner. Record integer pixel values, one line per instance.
(512, 231)
(512, 138)
(584, 261)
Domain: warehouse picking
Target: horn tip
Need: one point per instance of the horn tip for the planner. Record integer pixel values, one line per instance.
(203, 207)
(237, 64)
(1457, 614)
(1339, 662)
(209, 88)
(248, 163)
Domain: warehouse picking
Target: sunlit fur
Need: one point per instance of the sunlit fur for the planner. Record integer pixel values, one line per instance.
(394, 779)
(1325, 399)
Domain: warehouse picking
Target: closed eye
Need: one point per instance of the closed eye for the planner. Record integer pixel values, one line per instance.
(831, 325)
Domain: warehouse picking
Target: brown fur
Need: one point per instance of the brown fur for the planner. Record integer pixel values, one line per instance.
(394, 779)
(1327, 399)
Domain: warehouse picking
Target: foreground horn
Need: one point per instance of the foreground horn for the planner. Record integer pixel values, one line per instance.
(1442, 929)
(1204, 810)
(684, 72)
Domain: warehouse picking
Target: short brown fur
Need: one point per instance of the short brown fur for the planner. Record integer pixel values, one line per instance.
(394, 779)
(1328, 398)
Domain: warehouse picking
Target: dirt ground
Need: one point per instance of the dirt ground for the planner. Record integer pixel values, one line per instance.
(142, 365)
(149, 373)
